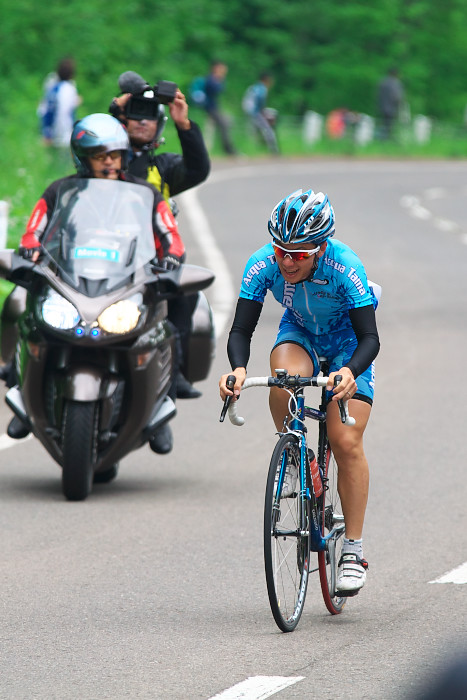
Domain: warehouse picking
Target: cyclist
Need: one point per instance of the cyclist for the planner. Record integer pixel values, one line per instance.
(329, 312)
(170, 173)
(99, 146)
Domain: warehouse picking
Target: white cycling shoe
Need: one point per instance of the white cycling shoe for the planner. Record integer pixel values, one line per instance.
(351, 574)
(290, 481)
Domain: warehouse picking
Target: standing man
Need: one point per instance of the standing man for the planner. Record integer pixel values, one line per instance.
(390, 97)
(262, 117)
(170, 173)
(214, 85)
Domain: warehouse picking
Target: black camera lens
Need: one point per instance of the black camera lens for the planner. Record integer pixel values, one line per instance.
(139, 107)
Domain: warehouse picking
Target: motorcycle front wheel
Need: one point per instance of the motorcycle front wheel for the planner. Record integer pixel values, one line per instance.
(79, 448)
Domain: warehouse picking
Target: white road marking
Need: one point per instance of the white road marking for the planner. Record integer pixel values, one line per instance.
(257, 688)
(222, 294)
(445, 225)
(418, 211)
(458, 575)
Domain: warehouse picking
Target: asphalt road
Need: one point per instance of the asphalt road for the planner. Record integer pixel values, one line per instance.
(154, 586)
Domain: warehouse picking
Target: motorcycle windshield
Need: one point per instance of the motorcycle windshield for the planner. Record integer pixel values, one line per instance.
(100, 233)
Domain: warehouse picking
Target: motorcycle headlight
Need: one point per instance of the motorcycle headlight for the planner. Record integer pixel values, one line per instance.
(121, 317)
(58, 312)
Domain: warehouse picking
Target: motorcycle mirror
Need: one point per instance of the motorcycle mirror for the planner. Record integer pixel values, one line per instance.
(16, 269)
(188, 279)
(194, 278)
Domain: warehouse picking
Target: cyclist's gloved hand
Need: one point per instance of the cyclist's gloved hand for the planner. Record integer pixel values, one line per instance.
(170, 262)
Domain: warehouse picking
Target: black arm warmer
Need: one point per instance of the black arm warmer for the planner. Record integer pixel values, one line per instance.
(243, 326)
(363, 322)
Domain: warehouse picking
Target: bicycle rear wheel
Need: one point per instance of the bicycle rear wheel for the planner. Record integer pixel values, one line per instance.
(286, 538)
(331, 519)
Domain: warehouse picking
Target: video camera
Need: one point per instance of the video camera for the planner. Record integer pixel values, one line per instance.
(145, 106)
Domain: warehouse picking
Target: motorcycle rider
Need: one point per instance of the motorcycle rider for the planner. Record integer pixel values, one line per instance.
(100, 149)
(170, 173)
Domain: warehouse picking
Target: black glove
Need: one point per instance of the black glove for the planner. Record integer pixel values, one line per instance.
(170, 262)
(174, 207)
(27, 253)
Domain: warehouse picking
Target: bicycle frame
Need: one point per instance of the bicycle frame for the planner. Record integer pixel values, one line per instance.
(296, 425)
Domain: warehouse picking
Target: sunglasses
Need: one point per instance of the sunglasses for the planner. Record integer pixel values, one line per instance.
(293, 254)
(103, 156)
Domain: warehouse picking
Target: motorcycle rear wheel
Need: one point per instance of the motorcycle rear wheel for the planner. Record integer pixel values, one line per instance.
(79, 447)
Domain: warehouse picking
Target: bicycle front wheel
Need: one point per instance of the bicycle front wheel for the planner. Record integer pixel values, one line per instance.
(286, 538)
(332, 521)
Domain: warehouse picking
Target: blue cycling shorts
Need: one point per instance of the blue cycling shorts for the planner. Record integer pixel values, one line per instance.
(337, 348)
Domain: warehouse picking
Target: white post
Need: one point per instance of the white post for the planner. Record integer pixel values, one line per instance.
(364, 130)
(3, 223)
(312, 127)
(422, 128)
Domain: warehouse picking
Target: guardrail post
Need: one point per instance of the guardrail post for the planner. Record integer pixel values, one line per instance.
(3, 223)
(312, 127)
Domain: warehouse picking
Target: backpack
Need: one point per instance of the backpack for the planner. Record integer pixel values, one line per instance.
(49, 110)
(249, 100)
(197, 93)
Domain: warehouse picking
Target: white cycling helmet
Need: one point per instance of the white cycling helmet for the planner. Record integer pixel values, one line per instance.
(302, 217)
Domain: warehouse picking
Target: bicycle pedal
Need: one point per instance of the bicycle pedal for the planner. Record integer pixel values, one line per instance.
(347, 594)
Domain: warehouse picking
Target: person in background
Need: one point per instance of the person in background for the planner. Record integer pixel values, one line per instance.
(58, 107)
(170, 173)
(390, 98)
(213, 87)
(262, 117)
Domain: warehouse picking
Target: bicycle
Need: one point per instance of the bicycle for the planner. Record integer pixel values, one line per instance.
(311, 520)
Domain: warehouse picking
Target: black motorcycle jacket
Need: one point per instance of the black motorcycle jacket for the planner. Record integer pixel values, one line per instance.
(172, 173)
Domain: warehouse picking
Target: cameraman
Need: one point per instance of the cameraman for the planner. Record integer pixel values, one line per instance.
(140, 108)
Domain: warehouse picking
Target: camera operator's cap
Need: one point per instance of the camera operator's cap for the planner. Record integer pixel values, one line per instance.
(132, 82)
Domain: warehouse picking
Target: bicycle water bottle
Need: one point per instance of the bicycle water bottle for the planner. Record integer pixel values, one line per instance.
(315, 474)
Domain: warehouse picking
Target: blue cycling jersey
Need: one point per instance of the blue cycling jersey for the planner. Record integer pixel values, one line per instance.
(320, 305)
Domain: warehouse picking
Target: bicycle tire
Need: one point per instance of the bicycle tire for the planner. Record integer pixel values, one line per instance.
(331, 516)
(286, 541)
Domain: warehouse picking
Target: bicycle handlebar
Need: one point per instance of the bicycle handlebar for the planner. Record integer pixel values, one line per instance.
(230, 383)
(282, 382)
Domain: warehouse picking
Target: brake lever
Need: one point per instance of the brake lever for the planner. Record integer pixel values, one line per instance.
(230, 383)
(343, 405)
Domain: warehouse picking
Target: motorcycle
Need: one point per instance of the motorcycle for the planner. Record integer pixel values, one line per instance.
(94, 356)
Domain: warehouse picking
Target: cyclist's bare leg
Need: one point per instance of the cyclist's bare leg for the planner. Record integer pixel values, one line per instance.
(353, 474)
(295, 360)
